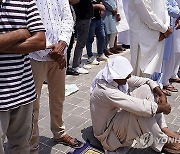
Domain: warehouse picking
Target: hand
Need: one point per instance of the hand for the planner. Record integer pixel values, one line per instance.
(62, 62)
(177, 23)
(23, 33)
(102, 7)
(164, 108)
(161, 36)
(114, 12)
(162, 99)
(168, 32)
(60, 59)
(57, 48)
(118, 17)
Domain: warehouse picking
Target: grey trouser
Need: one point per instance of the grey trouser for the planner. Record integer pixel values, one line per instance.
(16, 124)
(82, 27)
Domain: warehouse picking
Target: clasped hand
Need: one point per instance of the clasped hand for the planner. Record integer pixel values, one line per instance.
(57, 53)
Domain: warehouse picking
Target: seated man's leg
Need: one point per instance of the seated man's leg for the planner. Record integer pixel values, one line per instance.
(128, 127)
(137, 126)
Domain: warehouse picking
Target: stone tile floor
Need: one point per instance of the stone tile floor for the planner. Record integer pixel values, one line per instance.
(77, 115)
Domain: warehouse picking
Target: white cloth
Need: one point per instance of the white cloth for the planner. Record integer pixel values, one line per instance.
(147, 20)
(124, 36)
(116, 68)
(58, 22)
(121, 25)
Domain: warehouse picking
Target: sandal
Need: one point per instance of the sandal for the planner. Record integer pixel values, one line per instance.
(167, 93)
(175, 80)
(170, 88)
(68, 140)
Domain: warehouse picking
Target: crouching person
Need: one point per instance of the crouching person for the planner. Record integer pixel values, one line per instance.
(125, 108)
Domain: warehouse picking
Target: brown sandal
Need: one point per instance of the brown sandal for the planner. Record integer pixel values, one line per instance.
(68, 140)
(170, 88)
(175, 80)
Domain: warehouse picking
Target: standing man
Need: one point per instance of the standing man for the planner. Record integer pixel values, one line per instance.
(21, 32)
(96, 29)
(84, 12)
(169, 53)
(149, 25)
(50, 64)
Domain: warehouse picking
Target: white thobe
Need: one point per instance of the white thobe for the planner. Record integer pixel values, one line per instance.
(147, 18)
(121, 25)
(176, 50)
(124, 36)
(118, 118)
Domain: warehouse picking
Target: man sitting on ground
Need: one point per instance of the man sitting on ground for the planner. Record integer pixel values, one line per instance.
(124, 108)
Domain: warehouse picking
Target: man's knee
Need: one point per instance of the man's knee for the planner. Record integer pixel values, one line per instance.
(143, 92)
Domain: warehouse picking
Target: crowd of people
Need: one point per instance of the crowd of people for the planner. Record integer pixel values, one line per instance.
(36, 40)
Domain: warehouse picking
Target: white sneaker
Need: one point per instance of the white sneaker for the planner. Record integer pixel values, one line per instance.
(102, 58)
(81, 70)
(86, 66)
(92, 60)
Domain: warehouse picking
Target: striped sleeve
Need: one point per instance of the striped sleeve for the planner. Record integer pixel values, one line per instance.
(34, 22)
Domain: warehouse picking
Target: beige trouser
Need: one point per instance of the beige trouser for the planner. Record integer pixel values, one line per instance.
(128, 126)
(16, 124)
(56, 85)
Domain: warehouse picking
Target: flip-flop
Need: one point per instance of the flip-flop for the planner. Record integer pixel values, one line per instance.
(175, 80)
(170, 88)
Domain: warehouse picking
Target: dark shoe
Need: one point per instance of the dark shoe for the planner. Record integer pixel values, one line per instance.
(69, 141)
(120, 48)
(71, 71)
(114, 51)
(126, 46)
(107, 53)
(175, 80)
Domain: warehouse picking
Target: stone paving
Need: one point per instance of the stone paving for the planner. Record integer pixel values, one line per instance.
(77, 115)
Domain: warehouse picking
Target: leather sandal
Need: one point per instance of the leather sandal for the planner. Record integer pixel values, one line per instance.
(170, 88)
(175, 80)
(68, 140)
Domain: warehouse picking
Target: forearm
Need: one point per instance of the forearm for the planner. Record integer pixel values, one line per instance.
(157, 90)
(9, 39)
(36, 42)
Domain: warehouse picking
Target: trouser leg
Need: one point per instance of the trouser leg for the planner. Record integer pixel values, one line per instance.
(20, 129)
(82, 27)
(56, 87)
(129, 126)
(39, 70)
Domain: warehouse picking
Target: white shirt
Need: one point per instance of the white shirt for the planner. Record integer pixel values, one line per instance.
(58, 21)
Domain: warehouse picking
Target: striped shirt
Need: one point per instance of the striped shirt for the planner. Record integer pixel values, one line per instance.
(16, 80)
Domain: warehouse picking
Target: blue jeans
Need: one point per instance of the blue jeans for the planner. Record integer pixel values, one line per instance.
(96, 28)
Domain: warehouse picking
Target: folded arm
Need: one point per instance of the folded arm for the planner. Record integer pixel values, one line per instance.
(19, 44)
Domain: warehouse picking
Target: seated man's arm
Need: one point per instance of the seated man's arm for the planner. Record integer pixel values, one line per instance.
(135, 81)
(36, 42)
(9, 39)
